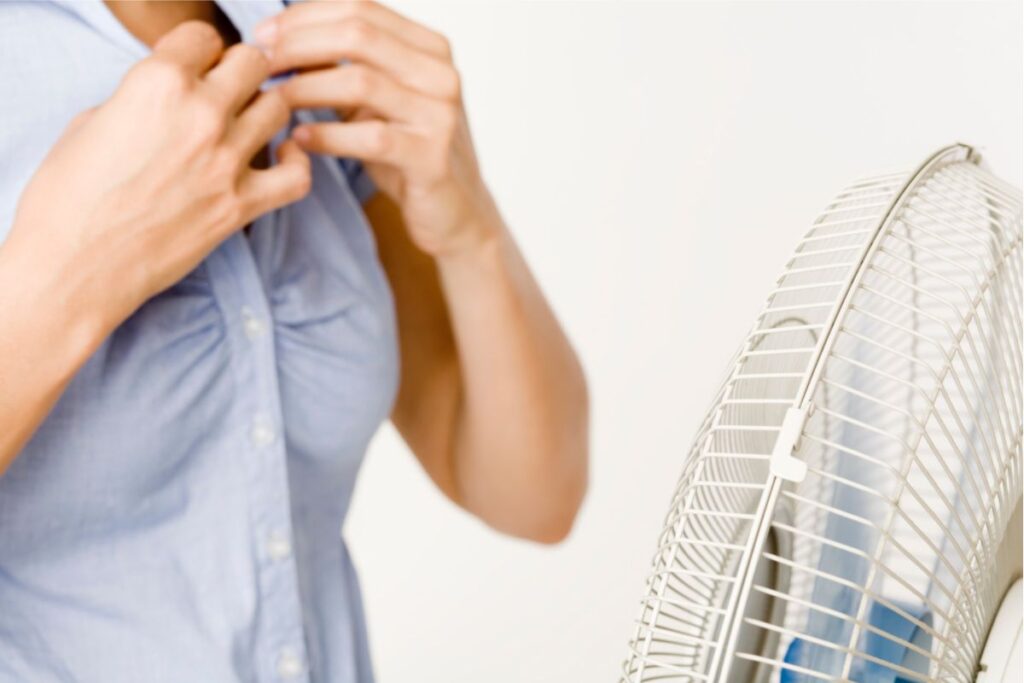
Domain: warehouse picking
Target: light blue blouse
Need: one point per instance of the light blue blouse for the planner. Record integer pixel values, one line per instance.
(177, 515)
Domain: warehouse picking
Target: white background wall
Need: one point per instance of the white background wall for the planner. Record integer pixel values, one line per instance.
(657, 163)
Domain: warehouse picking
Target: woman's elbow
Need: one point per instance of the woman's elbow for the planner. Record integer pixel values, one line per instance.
(543, 503)
(567, 493)
(557, 527)
(575, 464)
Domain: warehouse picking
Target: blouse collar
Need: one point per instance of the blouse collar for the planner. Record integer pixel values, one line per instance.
(244, 14)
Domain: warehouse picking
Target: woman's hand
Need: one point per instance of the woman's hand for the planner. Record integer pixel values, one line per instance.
(130, 199)
(401, 103)
(140, 189)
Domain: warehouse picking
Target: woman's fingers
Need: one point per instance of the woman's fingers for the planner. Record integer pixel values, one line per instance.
(307, 13)
(371, 140)
(238, 75)
(357, 40)
(285, 182)
(354, 85)
(194, 45)
(257, 124)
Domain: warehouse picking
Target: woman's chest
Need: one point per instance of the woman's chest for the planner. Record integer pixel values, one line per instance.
(287, 331)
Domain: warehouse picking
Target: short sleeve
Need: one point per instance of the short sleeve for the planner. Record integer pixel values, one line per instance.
(358, 179)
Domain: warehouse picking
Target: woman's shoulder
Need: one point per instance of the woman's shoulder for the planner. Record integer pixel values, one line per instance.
(42, 24)
(56, 51)
(54, 63)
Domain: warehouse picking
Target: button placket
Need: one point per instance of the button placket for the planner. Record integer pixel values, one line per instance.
(280, 644)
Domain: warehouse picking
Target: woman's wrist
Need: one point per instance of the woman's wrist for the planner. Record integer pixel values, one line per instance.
(477, 240)
(478, 245)
(49, 312)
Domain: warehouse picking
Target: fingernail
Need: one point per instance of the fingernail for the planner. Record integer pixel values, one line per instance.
(265, 32)
(301, 134)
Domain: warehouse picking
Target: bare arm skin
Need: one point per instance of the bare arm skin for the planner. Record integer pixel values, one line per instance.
(492, 401)
(149, 183)
(46, 336)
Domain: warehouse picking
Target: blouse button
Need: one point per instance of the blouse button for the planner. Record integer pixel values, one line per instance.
(261, 434)
(252, 324)
(278, 546)
(288, 664)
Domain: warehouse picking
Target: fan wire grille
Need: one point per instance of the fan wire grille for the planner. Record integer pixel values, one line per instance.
(896, 325)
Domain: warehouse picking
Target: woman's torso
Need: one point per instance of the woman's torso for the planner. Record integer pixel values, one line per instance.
(176, 517)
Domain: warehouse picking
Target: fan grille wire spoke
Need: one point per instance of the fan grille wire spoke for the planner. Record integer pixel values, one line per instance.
(910, 618)
(938, 459)
(961, 392)
(893, 342)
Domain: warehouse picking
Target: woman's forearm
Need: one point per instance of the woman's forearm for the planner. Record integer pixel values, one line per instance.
(127, 202)
(499, 422)
(46, 333)
(520, 434)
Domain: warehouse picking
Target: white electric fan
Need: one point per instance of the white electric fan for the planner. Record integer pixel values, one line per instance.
(851, 507)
